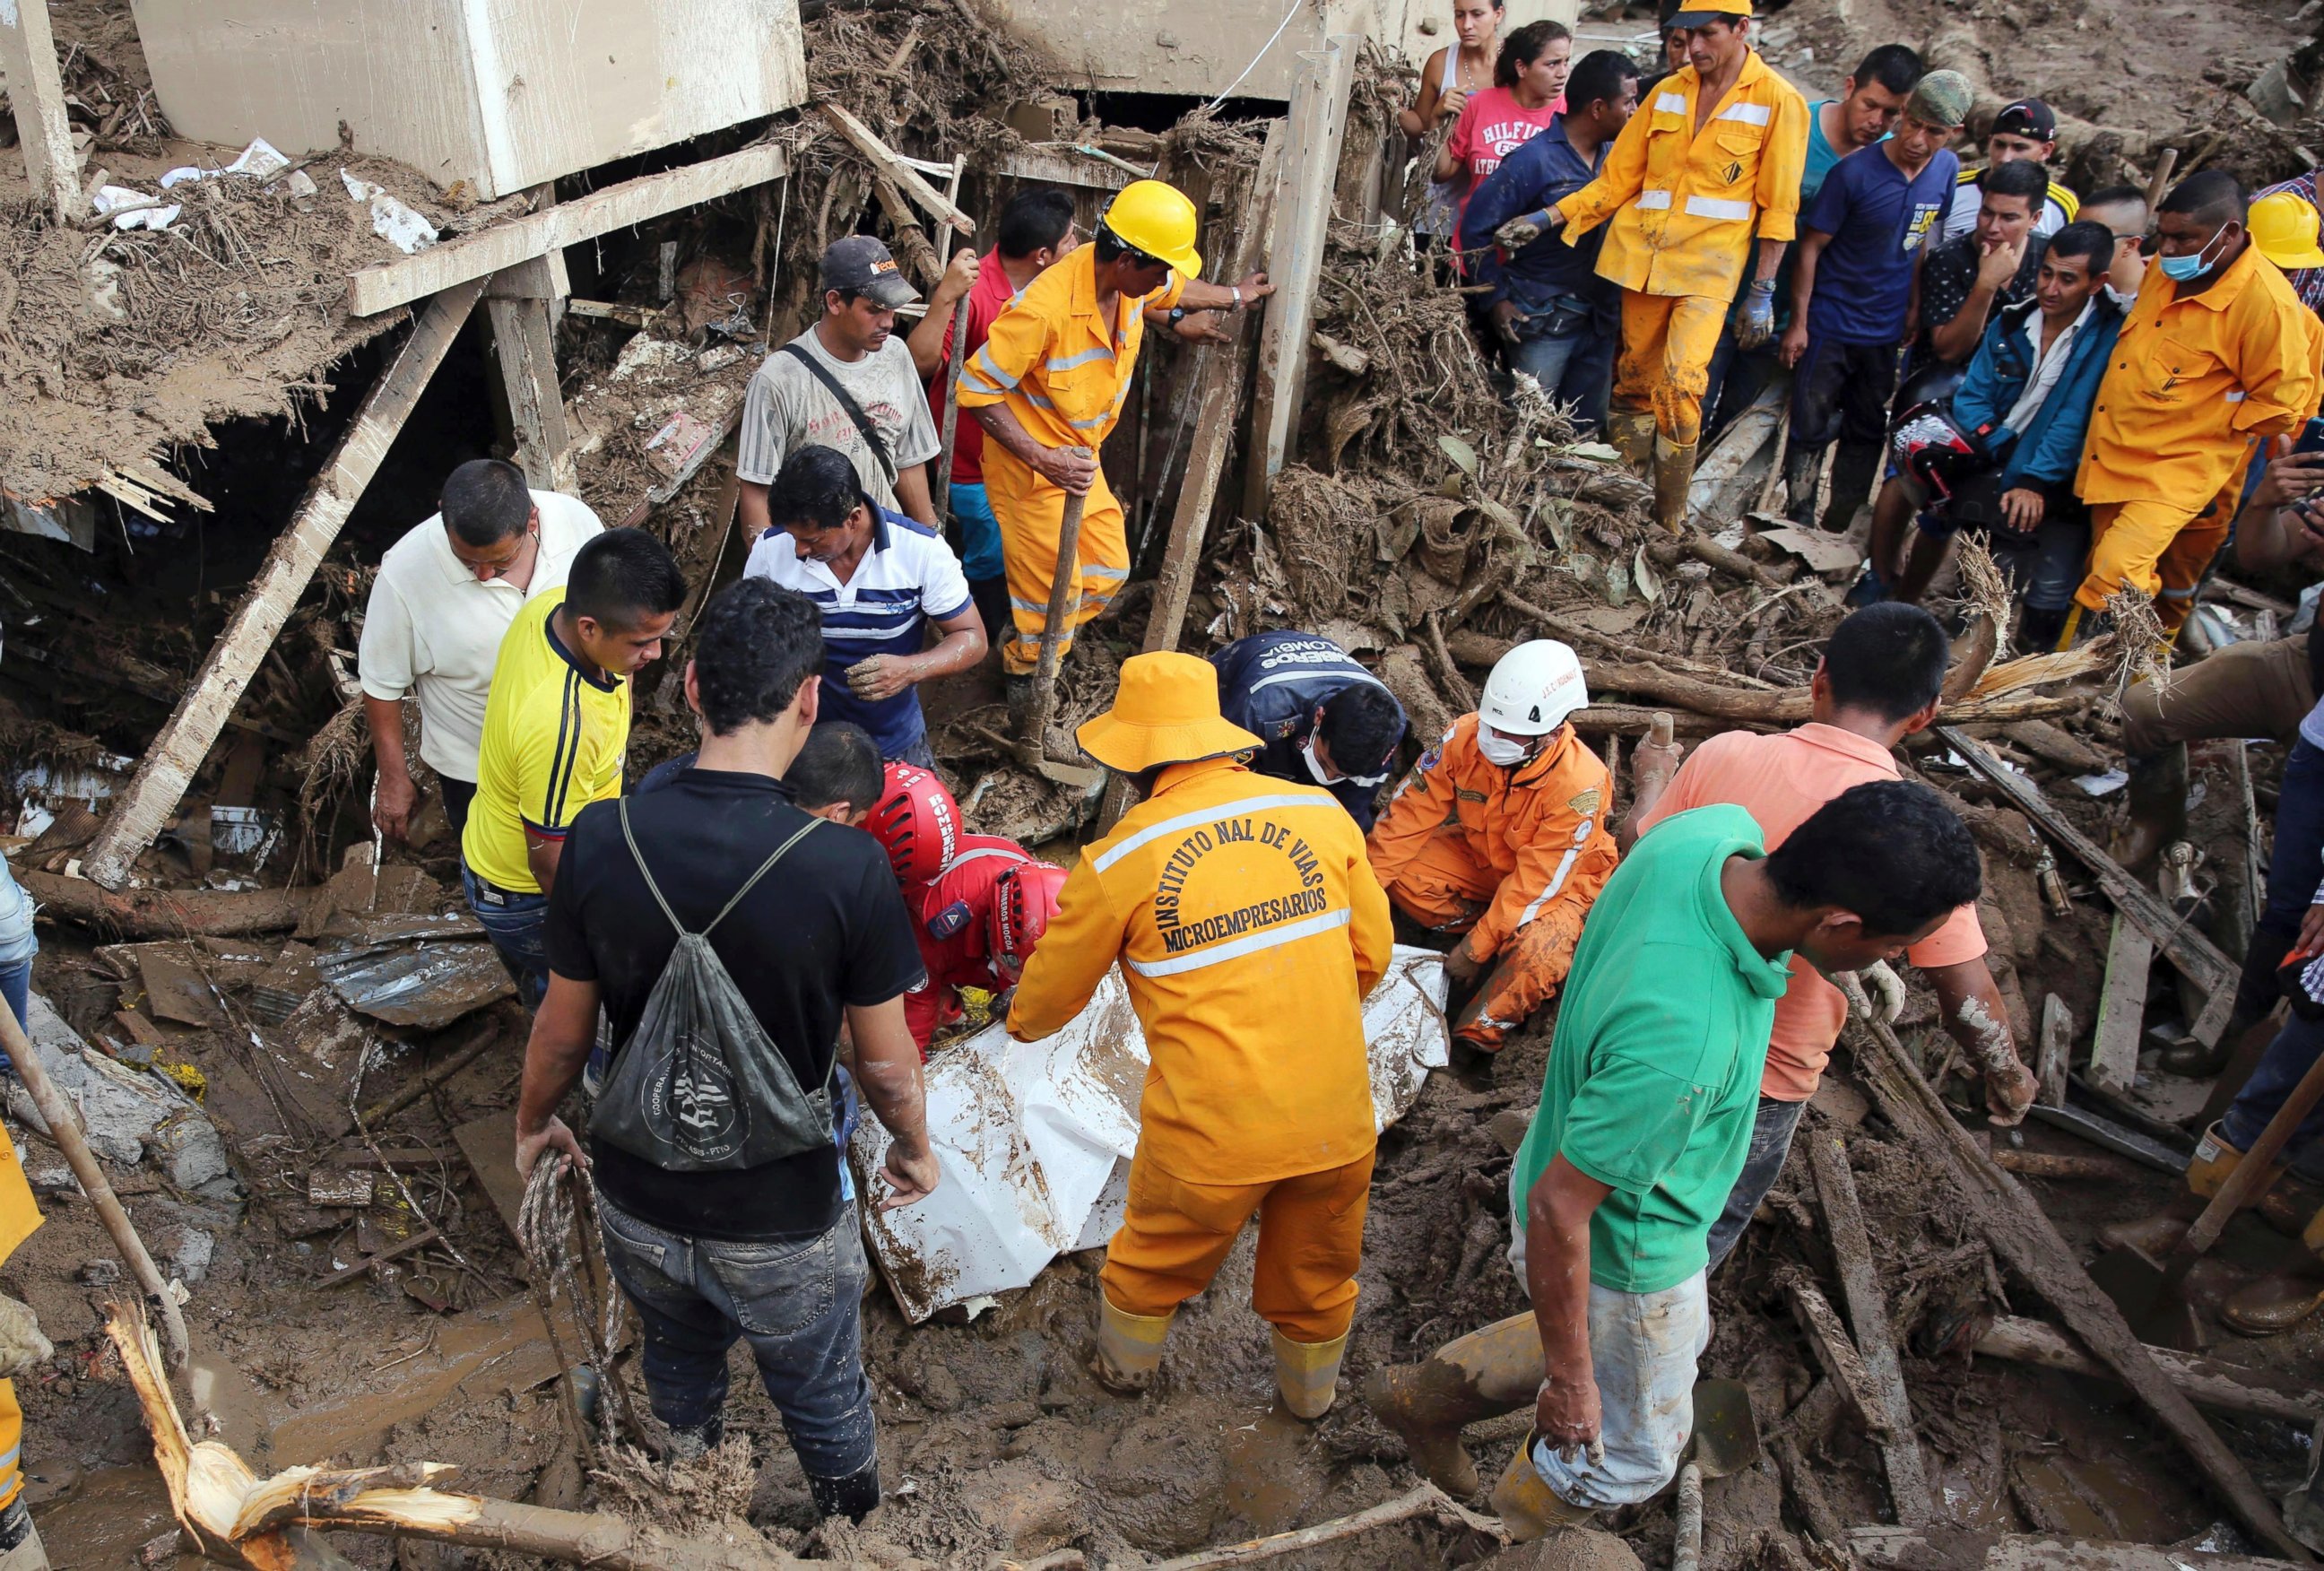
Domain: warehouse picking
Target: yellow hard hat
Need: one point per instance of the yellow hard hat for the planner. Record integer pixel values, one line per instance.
(1165, 711)
(2284, 227)
(1158, 219)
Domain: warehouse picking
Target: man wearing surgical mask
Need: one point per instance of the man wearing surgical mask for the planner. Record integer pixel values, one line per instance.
(2217, 353)
(1498, 838)
(1325, 719)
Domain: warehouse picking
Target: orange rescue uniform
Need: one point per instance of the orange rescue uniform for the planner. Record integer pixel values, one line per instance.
(1682, 208)
(1511, 857)
(1064, 370)
(2196, 380)
(19, 1218)
(1249, 927)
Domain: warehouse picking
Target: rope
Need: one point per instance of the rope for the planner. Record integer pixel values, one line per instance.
(547, 1223)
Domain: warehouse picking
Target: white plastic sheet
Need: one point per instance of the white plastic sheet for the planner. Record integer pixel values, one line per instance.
(1035, 1138)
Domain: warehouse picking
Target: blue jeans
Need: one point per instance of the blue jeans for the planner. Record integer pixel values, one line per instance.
(1576, 368)
(518, 926)
(980, 532)
(2288, 1058)
(1771, 1142)
(1645, 1350)
(2293, 872)
(796, 1301)
(16, 993)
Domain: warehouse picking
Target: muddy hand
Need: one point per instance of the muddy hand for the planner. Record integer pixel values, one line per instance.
(1519, 232)
(879, 676)
(1885, 989)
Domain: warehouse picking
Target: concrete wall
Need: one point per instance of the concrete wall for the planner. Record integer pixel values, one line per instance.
(497, 94)
(1198, 47)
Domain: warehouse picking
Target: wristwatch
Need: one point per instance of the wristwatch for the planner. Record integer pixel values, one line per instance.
(1177, 315)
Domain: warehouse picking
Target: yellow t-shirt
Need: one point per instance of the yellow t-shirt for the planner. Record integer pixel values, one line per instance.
(552, 744)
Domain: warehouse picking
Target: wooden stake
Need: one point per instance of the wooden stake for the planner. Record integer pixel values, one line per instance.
(1424, 1500)
(2057, 1043)
(887, 161)
(152, 793)
(2122, 1008)
(28, 59)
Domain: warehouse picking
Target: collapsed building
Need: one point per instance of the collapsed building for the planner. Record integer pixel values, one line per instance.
(270, 276)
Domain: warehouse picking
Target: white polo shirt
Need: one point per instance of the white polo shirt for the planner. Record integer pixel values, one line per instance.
(433, 628)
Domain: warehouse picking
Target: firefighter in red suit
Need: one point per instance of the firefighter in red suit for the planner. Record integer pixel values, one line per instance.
(976, 921)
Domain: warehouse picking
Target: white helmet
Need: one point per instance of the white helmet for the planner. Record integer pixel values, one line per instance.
(1533, 690)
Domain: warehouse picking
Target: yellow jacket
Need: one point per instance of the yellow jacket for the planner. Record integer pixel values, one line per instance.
(1684, 207)
(2193, 379)
(1249, 929)
(1054, 360)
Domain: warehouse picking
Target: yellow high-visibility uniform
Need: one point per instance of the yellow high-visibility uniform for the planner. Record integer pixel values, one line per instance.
(1682, 208)
(2195, 381)
(1065, 370)
(1249, 927)
(19, 1218)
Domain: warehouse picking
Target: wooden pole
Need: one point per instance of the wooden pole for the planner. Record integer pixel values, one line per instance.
(519, 300)
(940, 478)
(152, 793)
(28, 59)
(2206, 1382)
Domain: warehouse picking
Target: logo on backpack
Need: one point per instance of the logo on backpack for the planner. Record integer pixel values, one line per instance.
(692, 1094)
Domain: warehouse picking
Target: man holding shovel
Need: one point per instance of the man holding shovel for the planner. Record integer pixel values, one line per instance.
(1047, 387)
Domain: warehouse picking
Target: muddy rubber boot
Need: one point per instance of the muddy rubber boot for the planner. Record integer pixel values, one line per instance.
(2207, 1172)
(1854, 470)
(1803, 472)
(854, 1497)
(2157, 794)
(2038, 631)
(695, 1441)
(1020, 693)
(23, 1550)
(1490, 1371)
(1307, 1375)
(1674, 473)
(1526, 1503)
(2275, 1304)
(1631, 433)
(1129, 1348)
(2291, 1204)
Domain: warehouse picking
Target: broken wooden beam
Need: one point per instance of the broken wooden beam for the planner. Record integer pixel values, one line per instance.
(480, 1039)
(520, 302)
(885, 160)
(418, 1241)
(36, 93)
(2061, 1165)
(166, 913)
(1868, 1307)
(448, 264)
(1967, 1549)
(2122, 1008)
(2195, 956)
(1052, 165)
(1835, 1352)
(178, 751)
(2206, 1381)
(2057, 1047)
(2023, 1235)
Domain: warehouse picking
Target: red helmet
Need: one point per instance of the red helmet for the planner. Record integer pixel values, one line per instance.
(917, 821)
(1023, 901)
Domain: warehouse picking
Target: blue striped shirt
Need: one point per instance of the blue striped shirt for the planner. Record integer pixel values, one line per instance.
(907, 579)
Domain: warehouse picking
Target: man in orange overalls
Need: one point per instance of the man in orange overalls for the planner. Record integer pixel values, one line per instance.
(21, 1349)
(1500, 833)
(1051, 379)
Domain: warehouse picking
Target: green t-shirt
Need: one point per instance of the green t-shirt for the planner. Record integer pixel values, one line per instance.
(1653, 1074)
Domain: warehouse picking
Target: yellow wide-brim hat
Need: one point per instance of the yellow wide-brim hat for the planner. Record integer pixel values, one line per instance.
(1166, 711)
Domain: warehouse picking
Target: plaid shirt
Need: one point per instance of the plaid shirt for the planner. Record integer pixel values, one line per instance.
(2307, 282)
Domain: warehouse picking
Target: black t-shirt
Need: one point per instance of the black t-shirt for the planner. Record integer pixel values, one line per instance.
(1948, 276)
(825, 929)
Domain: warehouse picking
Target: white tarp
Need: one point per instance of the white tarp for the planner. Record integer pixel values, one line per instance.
(1035, 1138)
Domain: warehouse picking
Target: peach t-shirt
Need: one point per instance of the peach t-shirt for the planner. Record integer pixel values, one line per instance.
(1781, 781)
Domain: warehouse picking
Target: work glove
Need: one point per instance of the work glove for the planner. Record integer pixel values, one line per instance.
(1521, 231)
(1884, 990)
(22, 1346)
(1758, 323)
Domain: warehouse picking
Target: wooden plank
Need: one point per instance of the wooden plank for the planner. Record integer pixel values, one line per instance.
(1836, 1352)
(489, 1143)
(2195, 956)
(2057, 1045)
(1294, 254)
(181, 745)
(2205, 1381)
(1859, 1280)
(384, 285)
(36, 93)
(2122, 1009)
(524, 348)
(1966, 1549)
(2023, 1235)
(898, 167)
(1053, 166)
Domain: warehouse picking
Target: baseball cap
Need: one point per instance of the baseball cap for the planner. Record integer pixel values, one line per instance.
(1940, 98)
(1699, 12)
(2028, 118)
(862, 263)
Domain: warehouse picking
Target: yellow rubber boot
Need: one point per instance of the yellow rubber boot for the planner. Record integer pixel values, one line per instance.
(1307, 1373)
(2275, 1304)
(1526, 1503)
(1674, 474)
(1129, 1348)
(1631, 433)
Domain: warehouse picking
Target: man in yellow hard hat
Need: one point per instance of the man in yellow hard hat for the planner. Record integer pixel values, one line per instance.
(2283, 230)
(1052, 377)
(1715, 156)
(1249, 927)
(2306, 280)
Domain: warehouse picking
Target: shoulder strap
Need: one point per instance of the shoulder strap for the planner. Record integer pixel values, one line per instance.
(847, 405)
(747, 884)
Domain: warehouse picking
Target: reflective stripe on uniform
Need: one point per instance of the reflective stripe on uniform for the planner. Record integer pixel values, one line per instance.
(1353, 676)
(965, 857)
(1670, 103)
(1747, 113)
(1557, 879)
(1067, 362)
(1208, 815)
(1653, 201)
(2237, 396)
(990, 368)
(1716, 208)
(1236, 948)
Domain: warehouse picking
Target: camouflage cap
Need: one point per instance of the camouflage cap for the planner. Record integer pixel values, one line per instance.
(1940, 98)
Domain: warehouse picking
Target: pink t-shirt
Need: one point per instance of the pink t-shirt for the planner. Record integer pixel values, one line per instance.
(1781, 781)
(1492, 125)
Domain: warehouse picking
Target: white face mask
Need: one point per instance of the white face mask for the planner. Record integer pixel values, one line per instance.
(1315, 765)
(1506, 751)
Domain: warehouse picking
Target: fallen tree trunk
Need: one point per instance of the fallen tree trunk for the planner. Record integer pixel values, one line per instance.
(165, 913)
(2206, 1381)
